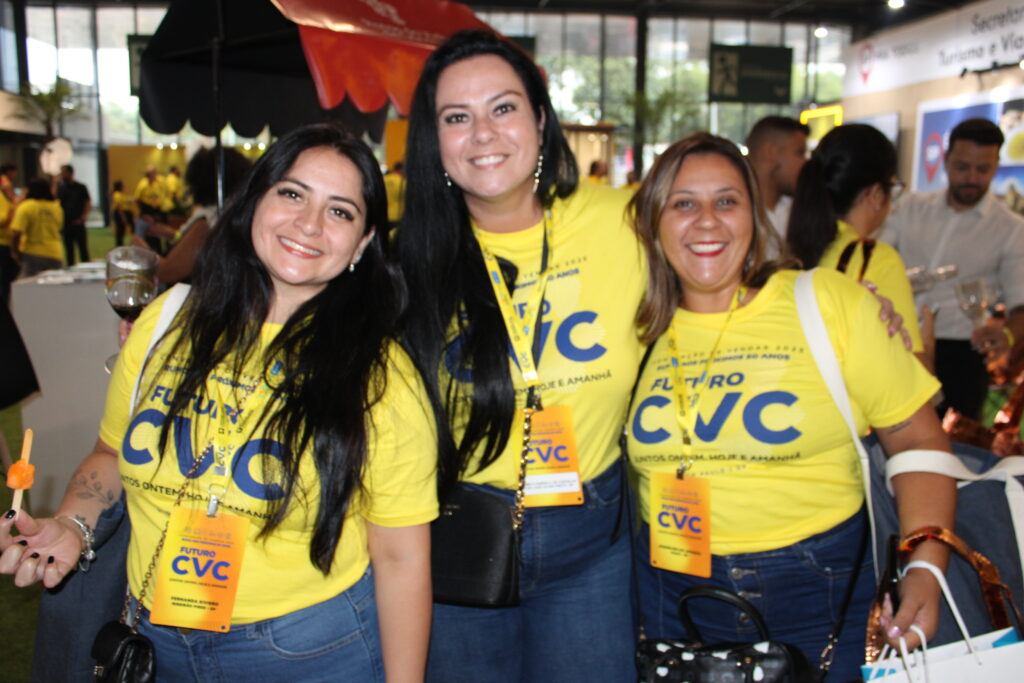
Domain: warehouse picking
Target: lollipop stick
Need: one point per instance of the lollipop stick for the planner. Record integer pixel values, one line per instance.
(26, 453)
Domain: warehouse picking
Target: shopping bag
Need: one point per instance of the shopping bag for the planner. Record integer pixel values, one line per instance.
(994, 657)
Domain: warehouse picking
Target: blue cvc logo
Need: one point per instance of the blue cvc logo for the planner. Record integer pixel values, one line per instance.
(563, 330)
(751, 408)
(182, 431)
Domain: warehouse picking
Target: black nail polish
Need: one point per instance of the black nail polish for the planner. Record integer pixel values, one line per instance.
(10, 514)
(49, 560)
(34, 556)
(22, 542)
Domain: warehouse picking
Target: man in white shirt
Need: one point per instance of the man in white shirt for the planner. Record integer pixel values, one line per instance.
(777, 150)
(968, 226)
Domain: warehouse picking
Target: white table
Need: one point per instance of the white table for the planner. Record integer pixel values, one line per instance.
(69, 330)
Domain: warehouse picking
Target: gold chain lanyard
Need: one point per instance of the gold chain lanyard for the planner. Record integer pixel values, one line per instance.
(686, 412)
(523, 331)
(211, 511)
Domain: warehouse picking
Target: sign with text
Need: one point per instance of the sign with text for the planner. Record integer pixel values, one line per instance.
(748, 73)
(973, 37)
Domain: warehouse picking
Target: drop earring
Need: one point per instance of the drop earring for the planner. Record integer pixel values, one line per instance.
(447, 179)
(536, 173)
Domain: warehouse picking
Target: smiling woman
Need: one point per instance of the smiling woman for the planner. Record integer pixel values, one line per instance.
(501, 248)
(278, 426)
(732, 415)
(309, 227)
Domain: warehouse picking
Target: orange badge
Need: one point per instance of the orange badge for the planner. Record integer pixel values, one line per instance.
(680, 521)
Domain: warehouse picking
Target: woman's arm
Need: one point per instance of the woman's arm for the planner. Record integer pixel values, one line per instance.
(401, 575)
(94, 487)
(178, 263)
(922, 499)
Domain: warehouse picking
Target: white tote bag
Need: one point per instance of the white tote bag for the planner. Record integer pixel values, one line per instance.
(996, 657)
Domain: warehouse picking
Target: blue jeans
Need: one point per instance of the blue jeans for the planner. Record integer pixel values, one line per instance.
(335, 640)
(798, 590)
(575, 619)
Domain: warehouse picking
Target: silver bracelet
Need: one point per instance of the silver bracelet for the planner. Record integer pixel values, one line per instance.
(88, 538)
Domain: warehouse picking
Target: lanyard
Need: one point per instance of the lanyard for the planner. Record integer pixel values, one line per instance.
(686, 412)
(521, 328)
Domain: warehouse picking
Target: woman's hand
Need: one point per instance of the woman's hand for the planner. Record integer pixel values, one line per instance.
(919, 604)
(45, 550)
(889, 315)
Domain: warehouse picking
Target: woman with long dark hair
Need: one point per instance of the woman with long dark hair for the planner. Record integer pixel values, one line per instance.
(733, 425)
(276, 426)
(523, 285)
(843, 196)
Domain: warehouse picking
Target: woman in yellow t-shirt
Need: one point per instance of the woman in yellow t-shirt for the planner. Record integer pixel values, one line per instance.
(732, 402)
(36, 241)
(277, 429)
(492, 180)
(843, 197)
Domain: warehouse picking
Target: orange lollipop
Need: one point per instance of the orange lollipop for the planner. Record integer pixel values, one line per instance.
(21, 475)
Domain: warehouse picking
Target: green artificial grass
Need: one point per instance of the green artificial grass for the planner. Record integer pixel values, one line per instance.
(18, 606)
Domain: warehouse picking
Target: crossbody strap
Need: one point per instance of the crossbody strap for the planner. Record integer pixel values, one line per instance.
(828, 365)
(172, 304)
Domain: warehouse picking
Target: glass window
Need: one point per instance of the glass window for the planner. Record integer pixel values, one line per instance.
(75, 65)
(796, 38)
(730, 32)
(42, 46)
(620, 86)
(8, 48)
(765, 33)
(677, 80)
(120, 108)
(580, 70)
(830, 69)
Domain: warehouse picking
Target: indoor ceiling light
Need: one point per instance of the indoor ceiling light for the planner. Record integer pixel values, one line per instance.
(820, 32)
(897, 4)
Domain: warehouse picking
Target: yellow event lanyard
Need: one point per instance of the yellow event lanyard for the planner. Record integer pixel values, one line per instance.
(686, 411)
(521, 328)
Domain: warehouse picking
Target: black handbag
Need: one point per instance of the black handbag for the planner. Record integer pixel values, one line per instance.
(123, 656)
(766, 661)
(475, 551)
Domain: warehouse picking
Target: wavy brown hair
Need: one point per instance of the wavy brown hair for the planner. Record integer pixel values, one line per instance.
(664, 290)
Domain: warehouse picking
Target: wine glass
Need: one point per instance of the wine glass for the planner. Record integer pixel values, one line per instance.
(975, 297)
(131, 284)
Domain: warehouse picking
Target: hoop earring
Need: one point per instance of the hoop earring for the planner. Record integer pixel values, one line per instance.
(447, 179)
(536, 173)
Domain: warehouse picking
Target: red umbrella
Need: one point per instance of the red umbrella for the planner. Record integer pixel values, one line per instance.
(372, 51)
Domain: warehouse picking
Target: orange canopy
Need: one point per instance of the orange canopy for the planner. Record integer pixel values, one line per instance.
(372, 51)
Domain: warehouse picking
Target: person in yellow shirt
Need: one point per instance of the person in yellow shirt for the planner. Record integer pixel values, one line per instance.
(175, 189)
(36, 242)
(276, 447)
(394, 182)
(632, 182)
(509, 217)
(843, 196)
(121, 212)
(598, 172)
(8, 200)
(151, 193)
(734, 434)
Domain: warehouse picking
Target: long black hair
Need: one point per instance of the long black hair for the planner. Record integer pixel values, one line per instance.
(443, 267)
(332, 350)
(848, 160)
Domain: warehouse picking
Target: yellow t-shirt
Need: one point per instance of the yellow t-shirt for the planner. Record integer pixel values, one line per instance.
(151, 193)
(885, 270)
(277, 576)
(121, 202)
(394, 184)
(589, 350)
(768, 436)
(40, 221)
(5, 216)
